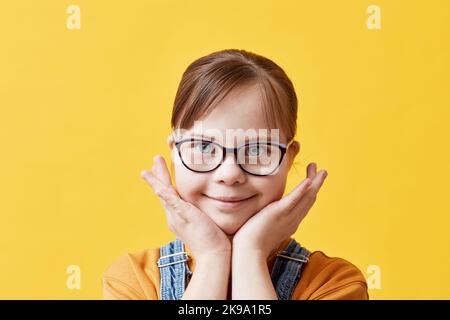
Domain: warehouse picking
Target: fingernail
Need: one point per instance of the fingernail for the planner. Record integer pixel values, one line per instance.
(325, 175)
(143, 173)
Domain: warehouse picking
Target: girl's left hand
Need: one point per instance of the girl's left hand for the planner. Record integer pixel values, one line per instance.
(264, 231)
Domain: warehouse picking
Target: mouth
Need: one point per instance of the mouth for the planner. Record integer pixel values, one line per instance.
(230, 202)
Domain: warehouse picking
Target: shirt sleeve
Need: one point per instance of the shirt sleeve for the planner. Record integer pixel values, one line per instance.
(349, 291)
(115, 289)
(331, 279)
(125, 279)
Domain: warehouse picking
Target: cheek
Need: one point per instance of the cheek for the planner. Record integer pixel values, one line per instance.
(189, 184)
(270, 189)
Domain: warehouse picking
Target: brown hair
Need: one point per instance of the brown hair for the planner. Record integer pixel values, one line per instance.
(209, 79)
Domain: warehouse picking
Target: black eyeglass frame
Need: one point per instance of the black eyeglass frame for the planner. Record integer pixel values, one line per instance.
(283, 149)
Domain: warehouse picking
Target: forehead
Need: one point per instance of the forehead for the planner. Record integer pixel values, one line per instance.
(238, 116)
(240, 109)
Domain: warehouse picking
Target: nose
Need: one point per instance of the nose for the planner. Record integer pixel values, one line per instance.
(229, 171)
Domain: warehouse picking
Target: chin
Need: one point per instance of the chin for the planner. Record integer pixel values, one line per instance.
(228, 227)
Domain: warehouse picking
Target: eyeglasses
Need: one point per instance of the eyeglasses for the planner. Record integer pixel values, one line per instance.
(255, 158)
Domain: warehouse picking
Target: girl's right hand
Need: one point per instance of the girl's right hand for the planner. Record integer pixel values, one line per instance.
(192, 226)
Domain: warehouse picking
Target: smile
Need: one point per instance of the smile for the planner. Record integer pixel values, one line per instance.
(229, 202)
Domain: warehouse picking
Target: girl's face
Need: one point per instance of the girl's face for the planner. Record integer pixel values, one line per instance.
(239, 110)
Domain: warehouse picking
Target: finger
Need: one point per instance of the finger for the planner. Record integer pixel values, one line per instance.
(162, 170)
(162, 173)
(311, 170)
(288, 202)
(302, 208)
(318, 180)
(174, 210)
(166, 193)
(158, 187)
(174, 219)
(312, 190)
(311, 194)
(171, 201)
(155, 184)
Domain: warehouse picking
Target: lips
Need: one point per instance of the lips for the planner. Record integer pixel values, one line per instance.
(229, 199)
(230, 204)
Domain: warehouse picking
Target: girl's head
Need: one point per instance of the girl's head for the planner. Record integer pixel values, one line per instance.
(245, 92)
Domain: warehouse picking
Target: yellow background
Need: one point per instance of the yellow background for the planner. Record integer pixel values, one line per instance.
(84, 111)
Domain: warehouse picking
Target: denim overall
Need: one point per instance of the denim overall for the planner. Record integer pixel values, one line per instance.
(175, 273)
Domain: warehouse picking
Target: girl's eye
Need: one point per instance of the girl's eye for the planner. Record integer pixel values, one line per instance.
(204, 147)
(254, 151)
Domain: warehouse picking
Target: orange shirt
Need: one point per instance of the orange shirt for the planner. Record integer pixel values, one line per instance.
(136, 276)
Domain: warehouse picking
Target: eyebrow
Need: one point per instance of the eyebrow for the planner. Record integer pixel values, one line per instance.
(194, 135)
(203, 136)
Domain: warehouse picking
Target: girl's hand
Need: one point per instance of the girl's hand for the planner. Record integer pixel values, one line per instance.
(264, 231)
(203, 237)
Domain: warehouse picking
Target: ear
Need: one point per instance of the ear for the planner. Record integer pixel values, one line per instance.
(293, 150)
(170, 142)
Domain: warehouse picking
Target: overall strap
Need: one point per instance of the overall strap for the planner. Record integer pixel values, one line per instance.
(287, 269)
(173, 269)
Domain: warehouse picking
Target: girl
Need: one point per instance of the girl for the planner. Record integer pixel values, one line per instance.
(232, 224)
